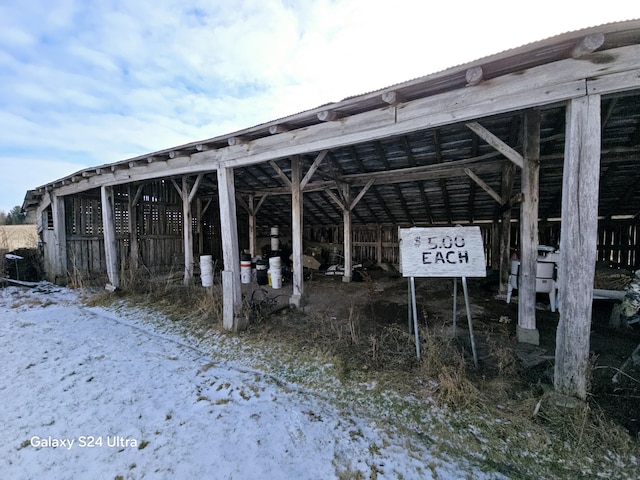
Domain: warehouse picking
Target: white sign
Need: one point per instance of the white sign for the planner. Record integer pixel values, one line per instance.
(442, 252)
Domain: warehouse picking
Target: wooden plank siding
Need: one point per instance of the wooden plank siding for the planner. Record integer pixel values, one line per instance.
(159, 230)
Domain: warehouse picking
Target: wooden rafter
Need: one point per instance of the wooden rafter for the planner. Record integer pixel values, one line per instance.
(496, 143)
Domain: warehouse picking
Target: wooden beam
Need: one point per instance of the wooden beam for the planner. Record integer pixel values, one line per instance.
(176, 186)
(496, 143)
(336, 199)
(231, 141)
(587, 45)
(392, 97)
(206, 207)
(253, 224)
(472, 201)
(526, 329)
(361, 194)
(260, 202)
(578, 240)
(275, 129)
(492, 193)
(187, 230)
(280, 173)
(243, 204)
(231, 288)
(508, 179)
(109, 235)
(474, 76)
(347, 242)
(328, 115)
(614, 83)
(59, 260)
(194, 189)
(132, 211)
(296, 233)
(138, 194)
(314, 166)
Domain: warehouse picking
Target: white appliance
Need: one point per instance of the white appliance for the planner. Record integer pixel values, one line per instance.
(546, 275)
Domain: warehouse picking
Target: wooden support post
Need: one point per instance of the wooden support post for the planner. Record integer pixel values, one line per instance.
(296, 233)
(134, 245)
(380, 233)
(231, 288)
(346, 218)
(495, 245)
(578, 236)
(199, 215)
(508, 176)
(526, 329)
(59, 262)
(253, 240)
(187, 231)
(109, 233)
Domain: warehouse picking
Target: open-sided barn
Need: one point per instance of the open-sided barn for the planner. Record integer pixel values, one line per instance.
(545, 137)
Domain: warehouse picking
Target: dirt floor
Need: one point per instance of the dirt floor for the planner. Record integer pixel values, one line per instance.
(366, 324)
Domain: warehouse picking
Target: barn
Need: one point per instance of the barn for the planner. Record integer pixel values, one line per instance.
(539, 145)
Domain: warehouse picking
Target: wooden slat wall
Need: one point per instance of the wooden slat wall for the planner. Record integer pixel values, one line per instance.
(160, 233)
(85, 244)
(159, 213)
(618, 241)
(618, 244)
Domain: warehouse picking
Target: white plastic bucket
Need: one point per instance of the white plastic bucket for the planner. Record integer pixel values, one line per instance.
(245, 271)
(275, 263)
(275, 241)
(206, 270)
(276, 278)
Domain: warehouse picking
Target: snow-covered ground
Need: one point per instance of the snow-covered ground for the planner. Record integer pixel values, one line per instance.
(88, 393)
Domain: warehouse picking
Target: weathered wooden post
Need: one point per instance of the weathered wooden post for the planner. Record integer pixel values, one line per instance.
(296, 233)
(59, 260)
(109, 233)
(231, 288)
(526, 329)
(578, 236)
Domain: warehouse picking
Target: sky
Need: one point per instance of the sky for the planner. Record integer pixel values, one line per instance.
(83, 83)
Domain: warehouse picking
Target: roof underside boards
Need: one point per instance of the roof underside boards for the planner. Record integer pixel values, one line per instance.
(440, 175)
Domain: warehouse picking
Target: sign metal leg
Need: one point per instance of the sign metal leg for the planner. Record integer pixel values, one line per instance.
(415, 316)
(455, 306)
(471, 336)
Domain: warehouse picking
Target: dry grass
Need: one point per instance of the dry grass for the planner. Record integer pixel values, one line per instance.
(494, 414)
(13, 237)
(22, 238)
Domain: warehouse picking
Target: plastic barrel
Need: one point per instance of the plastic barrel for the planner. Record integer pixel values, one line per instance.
(261, 272)
(245, 271)
(206, 270)
(276, 278)
(275, 241)
(275, 272)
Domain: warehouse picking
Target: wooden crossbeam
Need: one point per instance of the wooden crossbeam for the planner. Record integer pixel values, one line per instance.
(483, 185)
(496, 143)
(587, 45)
(280, 173)
(314, 166)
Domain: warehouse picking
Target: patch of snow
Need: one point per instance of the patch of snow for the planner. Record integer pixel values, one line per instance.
(89, 393)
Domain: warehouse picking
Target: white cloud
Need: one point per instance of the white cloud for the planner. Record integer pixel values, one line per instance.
(94, 82)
